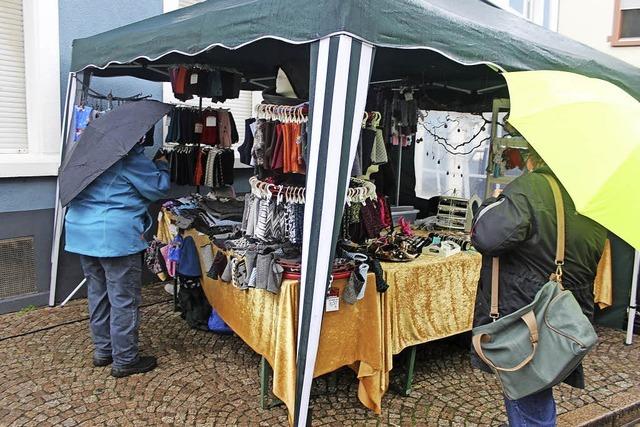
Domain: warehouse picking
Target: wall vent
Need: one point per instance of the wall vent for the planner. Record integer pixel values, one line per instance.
(17, 267)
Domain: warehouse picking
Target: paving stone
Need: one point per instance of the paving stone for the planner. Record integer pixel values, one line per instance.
(205, 379)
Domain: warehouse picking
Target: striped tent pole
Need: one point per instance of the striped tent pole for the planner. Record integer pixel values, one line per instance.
(339, 80)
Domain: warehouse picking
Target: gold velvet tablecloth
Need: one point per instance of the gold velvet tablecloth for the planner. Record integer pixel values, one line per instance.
(351, 336)
(603, 285)
(429, 298)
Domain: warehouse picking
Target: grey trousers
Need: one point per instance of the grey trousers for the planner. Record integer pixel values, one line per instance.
(114, 291)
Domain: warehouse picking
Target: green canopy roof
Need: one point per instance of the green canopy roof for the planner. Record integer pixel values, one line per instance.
(256, 35)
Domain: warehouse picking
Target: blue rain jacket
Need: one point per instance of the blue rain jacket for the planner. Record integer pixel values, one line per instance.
(109, 217)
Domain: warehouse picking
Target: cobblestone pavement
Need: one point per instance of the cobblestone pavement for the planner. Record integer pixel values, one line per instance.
(47, 378)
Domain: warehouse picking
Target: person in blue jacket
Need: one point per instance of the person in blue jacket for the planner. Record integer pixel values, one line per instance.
(105, 225)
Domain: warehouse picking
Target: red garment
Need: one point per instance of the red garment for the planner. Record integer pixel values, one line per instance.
(513, 158)
(209, 133)
(385, 217)
(277, 158)
(198, 173)
(181, 80)
(286, 147)
(173, 75)
(294, 154)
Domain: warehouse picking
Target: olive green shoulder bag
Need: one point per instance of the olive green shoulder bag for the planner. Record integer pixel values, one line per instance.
(540, 344)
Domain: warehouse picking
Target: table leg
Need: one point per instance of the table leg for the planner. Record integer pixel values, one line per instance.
(264, 382)
(411, 363)
(332, 382)
(267, 400)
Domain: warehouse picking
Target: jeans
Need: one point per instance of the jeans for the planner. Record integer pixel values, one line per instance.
(114, 291)
(537, 410)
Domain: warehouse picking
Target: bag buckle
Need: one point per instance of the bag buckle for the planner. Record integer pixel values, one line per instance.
(558, 273)
(494, 316)
(533, 339)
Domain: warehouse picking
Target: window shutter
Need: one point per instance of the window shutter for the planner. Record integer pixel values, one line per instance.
(13, 111)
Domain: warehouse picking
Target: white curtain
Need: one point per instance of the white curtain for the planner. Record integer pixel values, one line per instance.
(451, 158)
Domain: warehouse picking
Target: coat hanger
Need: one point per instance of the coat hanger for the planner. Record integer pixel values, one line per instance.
(279, 196)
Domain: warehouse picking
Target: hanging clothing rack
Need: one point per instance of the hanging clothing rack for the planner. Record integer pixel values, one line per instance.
(88, 92)
(284, 113)
(364, 191)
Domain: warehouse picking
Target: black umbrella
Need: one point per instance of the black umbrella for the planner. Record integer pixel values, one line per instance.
(105, 141)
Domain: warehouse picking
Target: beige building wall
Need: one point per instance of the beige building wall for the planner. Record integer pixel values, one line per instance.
(591, 22)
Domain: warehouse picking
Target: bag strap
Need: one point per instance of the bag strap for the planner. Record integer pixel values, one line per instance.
(560, 249)
(560, 225)
(495, 275)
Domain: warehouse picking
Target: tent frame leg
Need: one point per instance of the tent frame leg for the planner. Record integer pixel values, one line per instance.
(73, 95)
(631, 316)
(66, 300)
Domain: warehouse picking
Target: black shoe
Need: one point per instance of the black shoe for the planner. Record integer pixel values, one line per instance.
(144, 364)
(99, 362)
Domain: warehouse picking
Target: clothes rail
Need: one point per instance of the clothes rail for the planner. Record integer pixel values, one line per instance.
(88, 92)
(283, 113)
(363, 191)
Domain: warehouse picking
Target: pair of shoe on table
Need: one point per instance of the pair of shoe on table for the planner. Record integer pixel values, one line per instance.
(144, 364)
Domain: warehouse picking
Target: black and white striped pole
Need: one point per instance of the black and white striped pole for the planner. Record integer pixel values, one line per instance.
(339, 81)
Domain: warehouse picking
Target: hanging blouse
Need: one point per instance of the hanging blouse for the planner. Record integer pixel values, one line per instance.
(246, 148)
(210, 128)
(277, 160)
(224, 129)
(257, 151)
(379, 152)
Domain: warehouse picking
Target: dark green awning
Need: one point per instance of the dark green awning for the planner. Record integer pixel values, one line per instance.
(270, 32)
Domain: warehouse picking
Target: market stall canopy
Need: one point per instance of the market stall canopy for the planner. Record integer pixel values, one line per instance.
(587, 130)
(435, 35)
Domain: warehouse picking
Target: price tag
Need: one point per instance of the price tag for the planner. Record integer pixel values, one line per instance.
(194, 78)
(332, 302)
(211, 121)
(198, 128)
(408, 96)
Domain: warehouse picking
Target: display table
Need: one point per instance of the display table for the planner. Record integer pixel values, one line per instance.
(352, 336)
(429, 298)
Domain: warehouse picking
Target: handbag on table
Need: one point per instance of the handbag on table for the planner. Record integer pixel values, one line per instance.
(539, 345)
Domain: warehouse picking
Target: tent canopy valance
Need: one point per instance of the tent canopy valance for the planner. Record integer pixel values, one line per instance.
(257, 36)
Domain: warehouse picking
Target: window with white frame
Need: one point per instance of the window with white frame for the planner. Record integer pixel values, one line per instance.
(13, 101)
(541, 12)
(29, 88)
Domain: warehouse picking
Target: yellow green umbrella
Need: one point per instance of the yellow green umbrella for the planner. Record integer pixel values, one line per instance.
(588, 132)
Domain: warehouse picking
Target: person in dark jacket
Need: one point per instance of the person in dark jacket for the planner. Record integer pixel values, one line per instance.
(518, 225)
